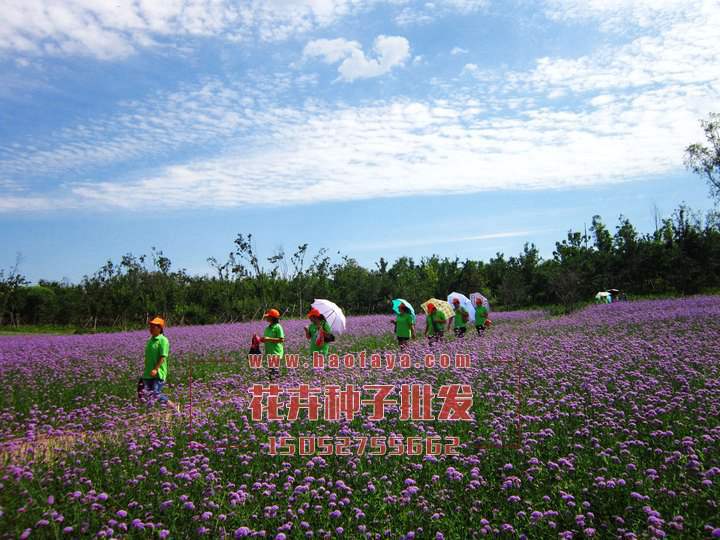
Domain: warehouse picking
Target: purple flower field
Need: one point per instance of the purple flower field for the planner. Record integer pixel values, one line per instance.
(604, 423)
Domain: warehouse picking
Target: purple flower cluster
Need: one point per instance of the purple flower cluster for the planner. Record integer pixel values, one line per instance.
(603, 424)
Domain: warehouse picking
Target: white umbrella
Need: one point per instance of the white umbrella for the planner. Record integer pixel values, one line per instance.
(603, 296)
(474, 296)
(464, 302)
(332, 313)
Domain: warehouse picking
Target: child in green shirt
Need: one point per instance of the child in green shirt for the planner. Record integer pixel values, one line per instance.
(481, 315)
(316, 332)
(435, 324)
(157, 350)
(404, 326)
(273, 339)
(461, 318)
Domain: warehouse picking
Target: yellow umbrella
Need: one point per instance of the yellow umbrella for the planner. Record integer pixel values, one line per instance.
(441, 305)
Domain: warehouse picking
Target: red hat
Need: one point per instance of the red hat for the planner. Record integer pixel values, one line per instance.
(431, 307)
(314, 313)
(456, 300)
(272, 313)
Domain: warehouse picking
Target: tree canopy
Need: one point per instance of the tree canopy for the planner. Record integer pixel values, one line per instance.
(704, 159)
(681, 256)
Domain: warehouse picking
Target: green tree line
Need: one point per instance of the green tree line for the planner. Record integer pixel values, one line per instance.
(682, 256)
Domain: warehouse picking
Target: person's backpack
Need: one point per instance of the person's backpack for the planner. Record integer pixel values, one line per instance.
(255, 345)
(329, 338)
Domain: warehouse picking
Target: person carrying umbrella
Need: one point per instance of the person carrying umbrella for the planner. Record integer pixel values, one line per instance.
(316, 332)
(435, 323)
(273, 338)
(481, 316)
(157, 350)
(404, 325)
(461, 318)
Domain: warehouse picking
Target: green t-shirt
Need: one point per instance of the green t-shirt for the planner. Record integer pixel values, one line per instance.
(274, 331)
(403, 322)
(313, 337)
(156, 347)
(436, 322)
(459, 321)
(481, 313)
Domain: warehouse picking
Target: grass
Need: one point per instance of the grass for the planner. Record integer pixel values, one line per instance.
(54, 329)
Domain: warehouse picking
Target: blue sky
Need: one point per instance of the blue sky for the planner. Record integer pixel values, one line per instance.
(373, 128)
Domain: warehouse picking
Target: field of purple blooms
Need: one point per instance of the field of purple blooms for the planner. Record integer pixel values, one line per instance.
(604, 423)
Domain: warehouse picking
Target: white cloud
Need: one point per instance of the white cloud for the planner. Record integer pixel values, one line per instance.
(685, 53)
(602, 99)
(458, 50)
(183, 120)
(629, 113)
(426, 12)
(390, 51)
(619, 15)
(326, 153)
(442, 240)
(331, 50)
(9, 185)
(117, 28)
(409, 17)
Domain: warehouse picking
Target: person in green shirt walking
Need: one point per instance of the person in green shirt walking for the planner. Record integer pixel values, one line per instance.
(404, 326)
(481, 316)
(435, 324)
(273, 338)
(461, 318)
(157, 350)
(317, 331)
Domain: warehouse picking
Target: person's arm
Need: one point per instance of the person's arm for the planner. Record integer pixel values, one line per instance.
(160, 361)
(412, 330)
(307, 332)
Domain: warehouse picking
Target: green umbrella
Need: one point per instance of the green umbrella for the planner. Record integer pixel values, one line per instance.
(396, 307)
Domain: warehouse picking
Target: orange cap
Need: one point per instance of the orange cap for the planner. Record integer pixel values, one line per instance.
(272, 313)
(158, 321)
(313, 313)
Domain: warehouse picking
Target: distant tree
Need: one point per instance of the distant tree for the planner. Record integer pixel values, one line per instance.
(705, 160)
(603, 238)
(37, 304)
(10, 283)
(567, 285)
(681, 255)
